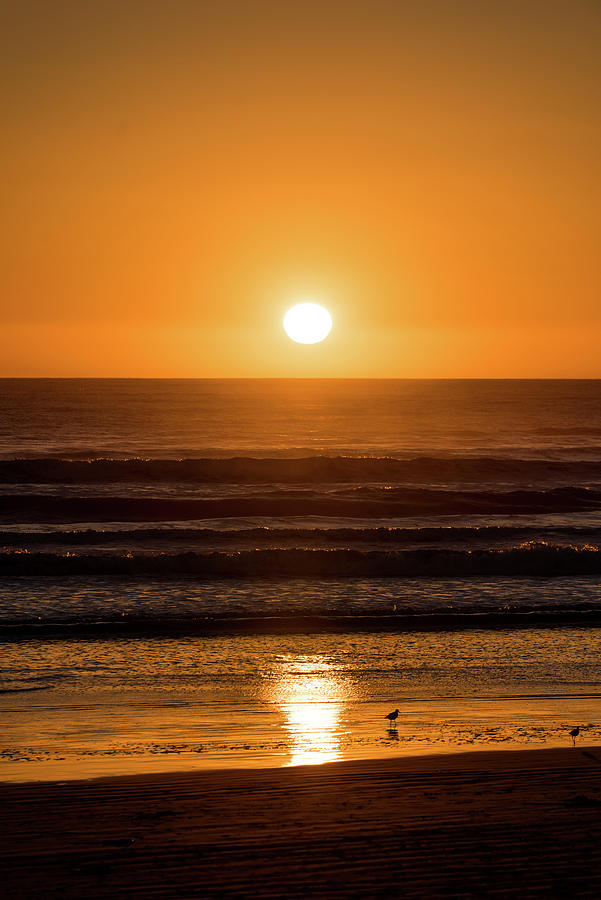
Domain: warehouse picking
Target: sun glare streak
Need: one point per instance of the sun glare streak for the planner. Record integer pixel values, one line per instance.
(309, 694)
(314, 731)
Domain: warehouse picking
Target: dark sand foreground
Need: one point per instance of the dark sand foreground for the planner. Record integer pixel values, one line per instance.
(519, 824)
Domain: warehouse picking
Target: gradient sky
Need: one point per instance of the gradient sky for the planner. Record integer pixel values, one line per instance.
(177, 174)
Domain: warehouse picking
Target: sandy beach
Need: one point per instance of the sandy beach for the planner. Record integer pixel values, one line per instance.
(519, 824)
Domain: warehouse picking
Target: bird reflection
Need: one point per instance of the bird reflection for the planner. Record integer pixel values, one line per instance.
(392, 733)
(309, 692)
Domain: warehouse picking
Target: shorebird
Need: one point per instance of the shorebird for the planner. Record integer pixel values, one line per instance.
(393, 716)
(574, 734)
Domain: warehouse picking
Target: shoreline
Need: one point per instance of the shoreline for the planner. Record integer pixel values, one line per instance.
(470, 758)
(472, 824)
(109, 770)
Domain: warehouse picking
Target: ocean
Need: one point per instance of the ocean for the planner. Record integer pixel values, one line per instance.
(254, 572)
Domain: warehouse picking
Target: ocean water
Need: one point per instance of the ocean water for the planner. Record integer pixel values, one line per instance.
(242, 572)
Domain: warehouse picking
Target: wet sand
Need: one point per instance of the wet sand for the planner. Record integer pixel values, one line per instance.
(519, 824)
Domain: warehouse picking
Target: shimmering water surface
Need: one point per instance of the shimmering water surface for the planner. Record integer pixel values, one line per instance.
(248, 572)
(172, 417)
(94, 706)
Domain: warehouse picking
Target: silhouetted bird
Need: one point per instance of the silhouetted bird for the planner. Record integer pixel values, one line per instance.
(574, 734)
(393, 716)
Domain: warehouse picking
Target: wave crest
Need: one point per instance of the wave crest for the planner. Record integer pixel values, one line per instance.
(313, 469)
(403, 502)
(536, 558)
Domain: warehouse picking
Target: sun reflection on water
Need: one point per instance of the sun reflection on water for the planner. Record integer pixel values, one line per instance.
(310, 693)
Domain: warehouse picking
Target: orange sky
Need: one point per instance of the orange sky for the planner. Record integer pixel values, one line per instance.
(179, 173)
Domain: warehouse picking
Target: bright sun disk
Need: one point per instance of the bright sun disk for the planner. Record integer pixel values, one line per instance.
(307, 323)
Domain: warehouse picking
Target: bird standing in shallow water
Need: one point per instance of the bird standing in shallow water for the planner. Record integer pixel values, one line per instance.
(574, 734)
(393, 716)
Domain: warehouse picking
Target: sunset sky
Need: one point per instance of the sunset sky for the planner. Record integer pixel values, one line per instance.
(177, 174)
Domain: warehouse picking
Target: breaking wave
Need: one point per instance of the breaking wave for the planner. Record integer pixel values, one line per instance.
(528, 559)
(281, 536)
(314, 469)
(304, 624)
(355, 503)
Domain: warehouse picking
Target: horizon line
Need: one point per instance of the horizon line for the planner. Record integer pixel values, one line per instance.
(296, 378)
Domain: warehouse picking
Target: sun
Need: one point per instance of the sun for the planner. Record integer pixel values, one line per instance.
(307, 323)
